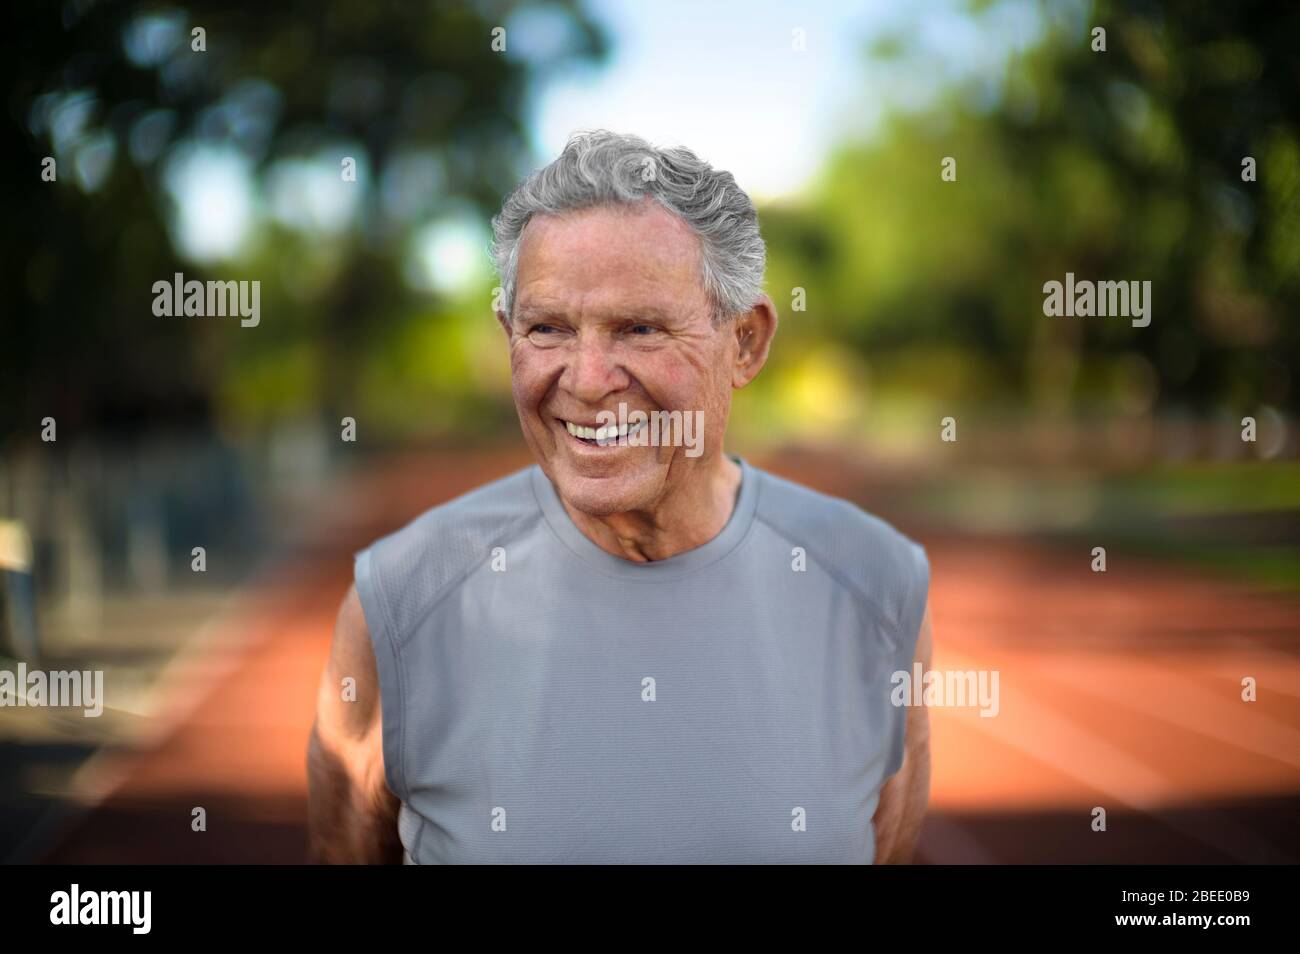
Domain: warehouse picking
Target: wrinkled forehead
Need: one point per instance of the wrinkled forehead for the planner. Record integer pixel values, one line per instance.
(609, 258)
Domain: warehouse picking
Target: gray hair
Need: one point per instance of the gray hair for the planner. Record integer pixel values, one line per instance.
(599, 167)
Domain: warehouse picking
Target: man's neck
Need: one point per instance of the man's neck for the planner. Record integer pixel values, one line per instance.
(689, 518)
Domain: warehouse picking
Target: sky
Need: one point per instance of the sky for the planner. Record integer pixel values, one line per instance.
(726, 77)
(761, 88)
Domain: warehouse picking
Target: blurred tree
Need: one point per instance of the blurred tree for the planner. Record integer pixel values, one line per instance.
(120, 97)
(1119, 165)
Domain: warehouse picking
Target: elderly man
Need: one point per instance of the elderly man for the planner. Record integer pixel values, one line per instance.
(641, 648)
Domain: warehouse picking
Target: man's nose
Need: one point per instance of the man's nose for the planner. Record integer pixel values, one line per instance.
(594, 370)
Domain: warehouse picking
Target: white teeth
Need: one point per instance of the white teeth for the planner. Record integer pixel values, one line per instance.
(577, 430)
(608, 432)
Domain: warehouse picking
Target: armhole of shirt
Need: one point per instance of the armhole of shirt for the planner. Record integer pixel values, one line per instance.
(913, 612)
(388, 662)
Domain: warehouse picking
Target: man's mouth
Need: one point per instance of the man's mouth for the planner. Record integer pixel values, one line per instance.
(610, 435)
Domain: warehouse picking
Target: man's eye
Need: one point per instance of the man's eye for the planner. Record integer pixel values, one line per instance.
(542, 329)
(644, 329)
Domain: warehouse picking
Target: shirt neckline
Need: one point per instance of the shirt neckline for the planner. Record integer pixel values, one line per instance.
(680, 564)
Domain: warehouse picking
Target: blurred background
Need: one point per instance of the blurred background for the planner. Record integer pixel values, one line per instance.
(904, 299)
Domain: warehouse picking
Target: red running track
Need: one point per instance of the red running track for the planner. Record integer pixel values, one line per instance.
(1120, 690)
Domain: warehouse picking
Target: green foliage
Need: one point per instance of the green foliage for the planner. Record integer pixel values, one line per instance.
(396, 84)
(1123, 165)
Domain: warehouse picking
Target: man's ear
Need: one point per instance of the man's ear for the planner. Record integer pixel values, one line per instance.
(754, 331)
(504, 322)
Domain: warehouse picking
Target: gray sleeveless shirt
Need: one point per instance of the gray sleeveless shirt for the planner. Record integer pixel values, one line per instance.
(546, 701)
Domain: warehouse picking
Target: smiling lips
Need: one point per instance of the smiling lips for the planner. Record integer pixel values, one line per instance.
(606, 436)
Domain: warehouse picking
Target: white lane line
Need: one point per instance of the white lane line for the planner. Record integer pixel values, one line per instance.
(1042, 733)
(1202, 711)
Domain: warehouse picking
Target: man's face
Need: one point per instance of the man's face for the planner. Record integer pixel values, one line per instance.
(610, 309)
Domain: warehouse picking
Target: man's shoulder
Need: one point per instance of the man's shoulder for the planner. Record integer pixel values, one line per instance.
(793, 508)
(403, 573)
(861, 550)
(484, 509)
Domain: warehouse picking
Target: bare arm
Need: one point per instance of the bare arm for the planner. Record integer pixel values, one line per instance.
(904, 797)
(351, 814)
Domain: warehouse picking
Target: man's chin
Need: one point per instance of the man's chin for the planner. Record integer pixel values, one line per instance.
(603, 495)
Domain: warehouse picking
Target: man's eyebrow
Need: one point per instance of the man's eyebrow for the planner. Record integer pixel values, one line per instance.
(637, 313)
(649, 311)
(534, 312)
(631, 313)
